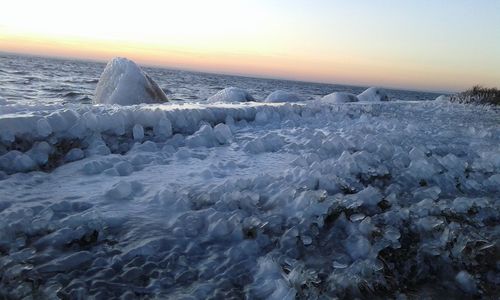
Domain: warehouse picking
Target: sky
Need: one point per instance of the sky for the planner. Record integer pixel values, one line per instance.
(433, 45)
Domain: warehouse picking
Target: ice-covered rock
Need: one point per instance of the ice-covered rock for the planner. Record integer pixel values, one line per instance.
(443, 98)
(340, 97)
(231, 94)
(283, 96)
(373, 94)
(123, 82)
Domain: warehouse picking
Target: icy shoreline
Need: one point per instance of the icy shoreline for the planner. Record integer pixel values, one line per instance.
(250, 199)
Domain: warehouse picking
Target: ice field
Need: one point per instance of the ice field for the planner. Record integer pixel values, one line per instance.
(301, 198)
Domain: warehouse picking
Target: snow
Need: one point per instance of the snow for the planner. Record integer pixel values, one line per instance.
(283, 96)
(340, 97)
(123, 82)
(258, 200)
(231, 94)
(373, 94)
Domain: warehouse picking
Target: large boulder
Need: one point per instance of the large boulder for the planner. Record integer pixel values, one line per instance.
(283, 96)
(231, 94)
(373, 94)
(340, 97)
(123, 82)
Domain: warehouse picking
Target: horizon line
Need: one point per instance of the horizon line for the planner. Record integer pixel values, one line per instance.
(238, 74)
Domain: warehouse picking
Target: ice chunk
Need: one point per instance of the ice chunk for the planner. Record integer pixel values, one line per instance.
(373, 94)
(223, 133)
(16, 161)
(123, 82)
(204, 137)
(231, 94)
(138, 132)
(340, 97)
(357, 246)
(466, 282)
(422, 169)
(74, 154)
(163, 128)
(40, 152)
(43, 127)
(283, 96)
(124, 168)
(67, 263)
(119, 191)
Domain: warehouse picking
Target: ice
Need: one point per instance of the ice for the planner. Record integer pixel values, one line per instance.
(283, 96)
(231, 94)
(357, 246)
(466, 282)
(340, 97)
(163, 128)
(373, 94)
(43, 127)
(67, 263)
(121, 190)
(123, 82)
(16, 161)
(138, 132)
(223, 133)
(443, 98)
(256, 200)
(204, 137)
(74, 154)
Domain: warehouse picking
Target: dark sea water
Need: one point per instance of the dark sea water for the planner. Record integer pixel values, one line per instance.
(49, 80)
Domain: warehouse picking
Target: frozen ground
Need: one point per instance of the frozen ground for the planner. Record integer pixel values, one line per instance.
(258, 200)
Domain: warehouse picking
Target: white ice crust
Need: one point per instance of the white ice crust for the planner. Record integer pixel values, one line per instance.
(253, 200)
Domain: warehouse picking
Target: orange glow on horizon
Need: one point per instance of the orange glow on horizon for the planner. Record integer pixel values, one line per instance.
(338, 69)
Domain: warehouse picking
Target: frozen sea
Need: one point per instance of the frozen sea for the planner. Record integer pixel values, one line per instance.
(198, 200)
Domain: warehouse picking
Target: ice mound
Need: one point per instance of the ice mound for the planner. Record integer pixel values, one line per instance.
(340, 97)
(283, 96)
(443, 98)
(123, 82)
(231, 94)
(373, 94)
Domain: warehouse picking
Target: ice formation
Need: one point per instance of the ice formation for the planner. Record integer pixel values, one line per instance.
(443, 98)
(123, 82)
(340, 97)
(373, 94)
(283, 96)
(249, 200)
(231, 94)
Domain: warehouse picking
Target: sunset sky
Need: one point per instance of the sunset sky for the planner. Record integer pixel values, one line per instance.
(436, 45)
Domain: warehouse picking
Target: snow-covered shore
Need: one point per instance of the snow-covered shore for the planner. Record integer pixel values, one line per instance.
(264, 200)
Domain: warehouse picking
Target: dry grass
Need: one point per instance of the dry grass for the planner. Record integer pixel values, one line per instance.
(478, 95)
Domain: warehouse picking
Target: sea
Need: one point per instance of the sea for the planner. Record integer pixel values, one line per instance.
(45, 80)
